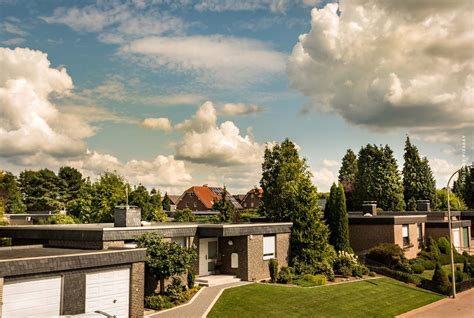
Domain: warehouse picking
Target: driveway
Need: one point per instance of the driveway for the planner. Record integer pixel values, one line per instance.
(461, 307)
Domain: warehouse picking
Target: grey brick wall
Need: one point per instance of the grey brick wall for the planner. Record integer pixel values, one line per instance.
(74, 293)
(137, 284)
(239, 246)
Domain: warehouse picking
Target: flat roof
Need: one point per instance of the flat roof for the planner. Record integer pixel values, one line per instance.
(27, 260)
(386, 219)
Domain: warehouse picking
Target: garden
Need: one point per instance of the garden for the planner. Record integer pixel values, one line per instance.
(429, 270)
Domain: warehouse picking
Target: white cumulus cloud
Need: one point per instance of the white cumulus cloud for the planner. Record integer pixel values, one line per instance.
(390, 64)
(157, 123)
(221, 145)
(233, 109)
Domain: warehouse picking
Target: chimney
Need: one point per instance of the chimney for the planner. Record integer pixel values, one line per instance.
(369, 207)
(127, 216)
(423, 205)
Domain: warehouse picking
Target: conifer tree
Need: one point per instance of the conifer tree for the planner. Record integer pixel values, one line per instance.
(378, 179)
(463, 187)
(337, 219)
(418, 181)
(166, 202)
(347, 175)
(289, 195)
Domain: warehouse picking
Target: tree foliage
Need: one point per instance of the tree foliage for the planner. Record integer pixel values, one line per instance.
(290, 196)
(41, 190)
(70, 183)
(149, 203)
(464, 186)
(456, 203)
(166, 204)
(348, 170)
(418, 180)
(166, 259)
(337, 219)
(10, 195)
(224, 206)
(378, 179)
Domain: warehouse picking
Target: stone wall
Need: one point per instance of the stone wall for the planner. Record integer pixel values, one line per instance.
(137, 284)
(74, 293)
(258, 267)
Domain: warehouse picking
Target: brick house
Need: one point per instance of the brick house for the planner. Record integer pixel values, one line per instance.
(252, 199)
(202, 198)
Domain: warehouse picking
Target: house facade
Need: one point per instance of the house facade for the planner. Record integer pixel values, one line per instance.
(202, 198)
(252, 199)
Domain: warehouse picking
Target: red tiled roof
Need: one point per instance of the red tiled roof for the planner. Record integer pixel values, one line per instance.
(205, 195)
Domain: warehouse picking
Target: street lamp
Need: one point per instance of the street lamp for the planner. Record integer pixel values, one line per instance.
(451, 233)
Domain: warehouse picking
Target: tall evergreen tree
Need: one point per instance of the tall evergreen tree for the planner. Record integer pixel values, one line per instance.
(10, 195)
(337, 219)
(347, 175)
(289, 195)
(224, 206)
(378, 179)
(464, 186)
(41, 190)
(70, 182)
(418, 180)
(166, 202)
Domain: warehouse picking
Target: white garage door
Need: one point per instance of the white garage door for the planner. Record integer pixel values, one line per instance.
(108, 292)
(34, 298)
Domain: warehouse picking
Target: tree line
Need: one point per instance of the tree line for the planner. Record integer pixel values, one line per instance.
(373, 175)
(86, 201)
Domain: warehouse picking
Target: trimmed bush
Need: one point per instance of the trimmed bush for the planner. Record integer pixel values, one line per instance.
(372, 274)
(345, 271)
(440, 278)
(427, 264)
(316, 280)
(387, 254)
(185, 215)
(443, 245)
(157, 302)
(286, 275)
(433, 249)
(191, 277)
(418, 268)
(273, 268)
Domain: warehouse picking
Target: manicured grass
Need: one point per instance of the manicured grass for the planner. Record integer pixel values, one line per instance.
(383, 297)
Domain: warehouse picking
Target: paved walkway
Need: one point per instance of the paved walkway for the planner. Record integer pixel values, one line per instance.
(199, 305)
(461, 307)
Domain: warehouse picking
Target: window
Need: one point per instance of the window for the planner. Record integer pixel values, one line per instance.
(251, 204)
(420, 233)
(406, 238)
(268, 247)
(180, 240)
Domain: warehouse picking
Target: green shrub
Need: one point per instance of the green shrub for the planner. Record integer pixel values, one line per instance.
(58, 219)
(433, 249)
(345, 271)
(175, 291)
(185, 215)
(459, 276)
(191, 278)
(157, 302)
(316, 280)
(440, 278)
(427, 264)
(360, 270)
(345, 259)
(443, 245)
(273, 268)
(372, 274)
(286, 275)
(387, 254)
(398, 275)
(418, 268)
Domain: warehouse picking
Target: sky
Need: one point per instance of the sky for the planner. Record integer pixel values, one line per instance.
(174, 93)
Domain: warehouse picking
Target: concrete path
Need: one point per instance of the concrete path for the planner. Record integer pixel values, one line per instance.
(200, 305)
(461, 307)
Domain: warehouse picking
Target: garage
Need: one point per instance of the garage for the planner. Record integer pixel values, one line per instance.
(32, 298)
(108, 292)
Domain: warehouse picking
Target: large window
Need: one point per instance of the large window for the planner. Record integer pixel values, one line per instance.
(406, 238)
(420, 233)
(268, 247)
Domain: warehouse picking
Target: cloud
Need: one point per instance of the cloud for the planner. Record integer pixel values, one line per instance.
(330, 163)
(13, 41)
(9, 27)
(247, 5)
(177, 99)
(233, 109)
(117, 22)
(390, 64)
(213, 58)
(157, 123)
(323, 179)
(29, 122)
(207, 143)
(442, 170)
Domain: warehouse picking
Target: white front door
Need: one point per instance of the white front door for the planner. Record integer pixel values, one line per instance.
(33, 298)
(457, 239)
(109, 292)
(208, 252)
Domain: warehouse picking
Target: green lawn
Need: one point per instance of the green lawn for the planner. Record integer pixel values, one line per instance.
(383, 297)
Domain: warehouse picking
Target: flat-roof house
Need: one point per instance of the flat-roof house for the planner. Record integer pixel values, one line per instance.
(242, 250)
(37, 281)
(202, 198)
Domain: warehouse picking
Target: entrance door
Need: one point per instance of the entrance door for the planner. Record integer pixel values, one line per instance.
(207, 255)
(456, 239)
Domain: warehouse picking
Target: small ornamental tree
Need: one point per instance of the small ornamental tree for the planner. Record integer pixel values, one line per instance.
(337, 219)
(166, 202)
(440, 277)
(224, 206)
(166, 259)
(185, 215)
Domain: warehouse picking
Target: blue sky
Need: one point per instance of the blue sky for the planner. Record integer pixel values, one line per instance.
(143, 71)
